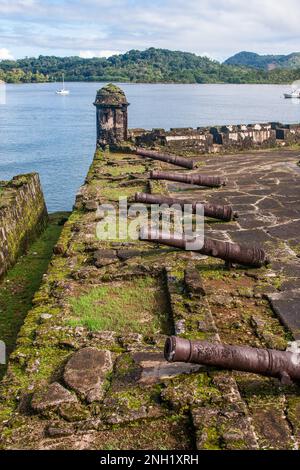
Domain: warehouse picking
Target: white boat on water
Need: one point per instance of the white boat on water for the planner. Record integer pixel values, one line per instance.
(293, 94)
(63, 91)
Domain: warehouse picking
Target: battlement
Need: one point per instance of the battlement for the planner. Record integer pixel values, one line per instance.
(112, 130)
(218, 138)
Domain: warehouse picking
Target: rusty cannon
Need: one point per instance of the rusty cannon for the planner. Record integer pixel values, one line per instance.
(215, 211)
(196, 179)
(284, 365)
(173, 159)
(231, 253)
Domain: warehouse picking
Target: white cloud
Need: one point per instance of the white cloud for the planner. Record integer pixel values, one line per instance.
(91, 54)
(5, 54)
(7, 6)
(218, 27)
(108, 53)
(207, 54)
(86, 54)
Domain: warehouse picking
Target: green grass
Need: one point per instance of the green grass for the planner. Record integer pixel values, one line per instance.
(23, 280)
(123, 169)
(133, 306)
(113, 193)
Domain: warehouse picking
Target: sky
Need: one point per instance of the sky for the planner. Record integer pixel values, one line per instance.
(100, 28)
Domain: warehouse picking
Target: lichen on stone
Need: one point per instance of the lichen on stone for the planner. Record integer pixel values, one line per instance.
(110, 95)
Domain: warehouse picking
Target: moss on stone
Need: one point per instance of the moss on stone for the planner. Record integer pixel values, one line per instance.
(113, 192)
(23, 280)
(194, 389)
(22, 197)
(123, 170)
(110, 95)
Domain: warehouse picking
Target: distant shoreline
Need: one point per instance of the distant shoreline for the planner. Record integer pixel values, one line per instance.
(147, 83)
(147, 67)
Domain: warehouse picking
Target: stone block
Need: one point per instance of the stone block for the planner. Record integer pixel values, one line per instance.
(53, 396)
(287, 306)
(155, 369)
(86, 371)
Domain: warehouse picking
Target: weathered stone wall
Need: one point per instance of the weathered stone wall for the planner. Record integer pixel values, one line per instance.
(289, 133)
(242, 137)
(23, 216)
(219, 138)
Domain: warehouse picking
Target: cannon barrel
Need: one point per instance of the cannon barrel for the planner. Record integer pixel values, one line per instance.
(229, 252)
(210, 210)
(174, 159)
(195, 178)
(270, 362)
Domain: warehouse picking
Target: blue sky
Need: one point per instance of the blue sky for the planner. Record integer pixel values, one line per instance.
(216, 28)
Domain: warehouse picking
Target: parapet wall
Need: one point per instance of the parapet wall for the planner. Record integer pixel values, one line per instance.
(218, 138)
(23, 215)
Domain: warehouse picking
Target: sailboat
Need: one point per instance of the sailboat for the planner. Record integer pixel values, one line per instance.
(293, 94)
(63, 91)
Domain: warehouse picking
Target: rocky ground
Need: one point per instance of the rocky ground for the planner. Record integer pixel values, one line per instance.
(88, 370)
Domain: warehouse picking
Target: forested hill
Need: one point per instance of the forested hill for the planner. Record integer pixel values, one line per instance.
(266, 62)
(150, 66)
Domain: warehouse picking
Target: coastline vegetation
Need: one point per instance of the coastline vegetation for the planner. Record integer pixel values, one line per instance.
(266, 62)
(150, 66)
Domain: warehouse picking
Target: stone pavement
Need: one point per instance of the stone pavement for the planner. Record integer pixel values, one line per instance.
(264, 187)
(110, 304)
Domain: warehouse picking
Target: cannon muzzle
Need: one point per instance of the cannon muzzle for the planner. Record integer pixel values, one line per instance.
(174, 159)
(214, 211)
(194, 178)
(284, 365)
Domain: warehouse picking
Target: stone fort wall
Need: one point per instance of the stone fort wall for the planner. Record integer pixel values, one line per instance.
(23, 215)
(218, 138)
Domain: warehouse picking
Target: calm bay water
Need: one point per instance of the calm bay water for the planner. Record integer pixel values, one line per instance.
(55, 135)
